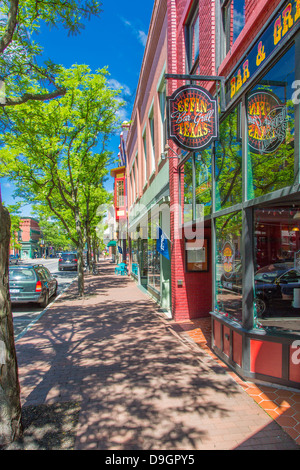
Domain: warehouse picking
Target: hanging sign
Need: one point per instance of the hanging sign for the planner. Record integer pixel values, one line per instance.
(267, 122)
(192, 118)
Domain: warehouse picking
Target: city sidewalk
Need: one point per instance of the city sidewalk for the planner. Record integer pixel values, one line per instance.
(111, 372)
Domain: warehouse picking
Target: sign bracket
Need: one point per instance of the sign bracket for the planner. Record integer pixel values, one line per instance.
(202, 78)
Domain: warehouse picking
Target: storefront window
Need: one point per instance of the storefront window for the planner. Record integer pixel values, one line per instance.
(153, 265)
(203, 181)
(229, 266)
(188, 191)
(277, 267)
(271, 121)
(120, 193)
(228, 162)
(134, 256)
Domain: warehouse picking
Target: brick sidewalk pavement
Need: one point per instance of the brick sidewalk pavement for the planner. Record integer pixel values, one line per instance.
(136, 384)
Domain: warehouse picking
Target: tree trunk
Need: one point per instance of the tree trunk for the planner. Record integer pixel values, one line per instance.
(89, 252)
(10, 405)
(79, 256)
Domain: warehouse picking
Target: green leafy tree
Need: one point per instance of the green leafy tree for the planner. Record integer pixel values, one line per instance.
(49, 152)
(25, 81)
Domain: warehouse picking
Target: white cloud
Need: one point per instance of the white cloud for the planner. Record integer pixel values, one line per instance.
(140, 35)
(116, 85)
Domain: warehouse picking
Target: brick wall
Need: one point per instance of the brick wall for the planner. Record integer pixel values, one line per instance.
(191, 292)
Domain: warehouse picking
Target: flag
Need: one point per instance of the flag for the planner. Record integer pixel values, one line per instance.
(120, 250)
(162, 243)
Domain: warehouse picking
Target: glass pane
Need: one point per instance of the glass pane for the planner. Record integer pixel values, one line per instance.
(188, 190)
(238, 17)
(195, 38)
(228, 162)
(229, 266)
(277, 267)
(203, 181)
(234, 21)
(271, 120)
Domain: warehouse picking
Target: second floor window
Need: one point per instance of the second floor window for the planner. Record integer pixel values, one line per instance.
(163, 117)
(233, 13)
(192, 37)
(120, 193)
(152, 141)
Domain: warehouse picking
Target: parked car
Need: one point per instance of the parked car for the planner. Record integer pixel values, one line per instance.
(275, 283)
(68, 261)
(31, 283)
(13, 259)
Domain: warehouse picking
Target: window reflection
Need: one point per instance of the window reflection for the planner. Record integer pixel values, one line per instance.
(229, 266)
(188, 191)
(271, 121)
(203, 181)
(277, 267)
(228, 162)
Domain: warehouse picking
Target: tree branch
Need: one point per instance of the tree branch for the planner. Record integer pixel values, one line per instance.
(33, 97)
(11, 25)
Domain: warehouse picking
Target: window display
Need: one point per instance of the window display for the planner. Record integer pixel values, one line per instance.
(188, 191)
(229, 266)
(203, 181)
(271, 122)
(228, 162)
(277, 267)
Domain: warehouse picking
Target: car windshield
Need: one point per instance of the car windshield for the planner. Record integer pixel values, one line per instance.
(271, 272)
(68, 256)
(21, 274)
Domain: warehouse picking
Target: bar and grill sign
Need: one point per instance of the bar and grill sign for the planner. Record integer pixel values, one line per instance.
(192, 118)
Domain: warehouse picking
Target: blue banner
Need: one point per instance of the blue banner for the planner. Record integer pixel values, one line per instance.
(162, 243)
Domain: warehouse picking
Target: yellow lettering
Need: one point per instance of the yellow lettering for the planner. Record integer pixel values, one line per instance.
(232, 85)
(186, 129)
(192, 129)
(287, 19)
(246, 71)
(277, 31)
(239, 82)
(297, 15)
(261, 54)
(180, 106)
(186, 104)
(192, 105)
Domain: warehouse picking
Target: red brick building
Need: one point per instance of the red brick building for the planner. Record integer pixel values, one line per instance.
(234, 175)
(30, 238)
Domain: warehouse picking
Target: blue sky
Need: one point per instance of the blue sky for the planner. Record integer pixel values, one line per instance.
(117, 40)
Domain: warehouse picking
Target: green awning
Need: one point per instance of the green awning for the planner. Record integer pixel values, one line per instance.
(112, 243)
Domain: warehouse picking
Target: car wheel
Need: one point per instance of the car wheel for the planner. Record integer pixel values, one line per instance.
(46, 300)
(261, 306)
(55, 292)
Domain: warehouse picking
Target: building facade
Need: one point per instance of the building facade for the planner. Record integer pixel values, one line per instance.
(234, 204)
(147, 170)
(30, 238)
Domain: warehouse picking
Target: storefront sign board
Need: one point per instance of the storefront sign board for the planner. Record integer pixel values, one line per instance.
(192, 118)
(285, 22)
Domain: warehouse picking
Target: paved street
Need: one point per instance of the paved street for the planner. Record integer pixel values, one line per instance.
(112, 373)
(24, 315)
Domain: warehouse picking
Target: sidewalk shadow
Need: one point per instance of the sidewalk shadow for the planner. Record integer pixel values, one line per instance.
(139, 387)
